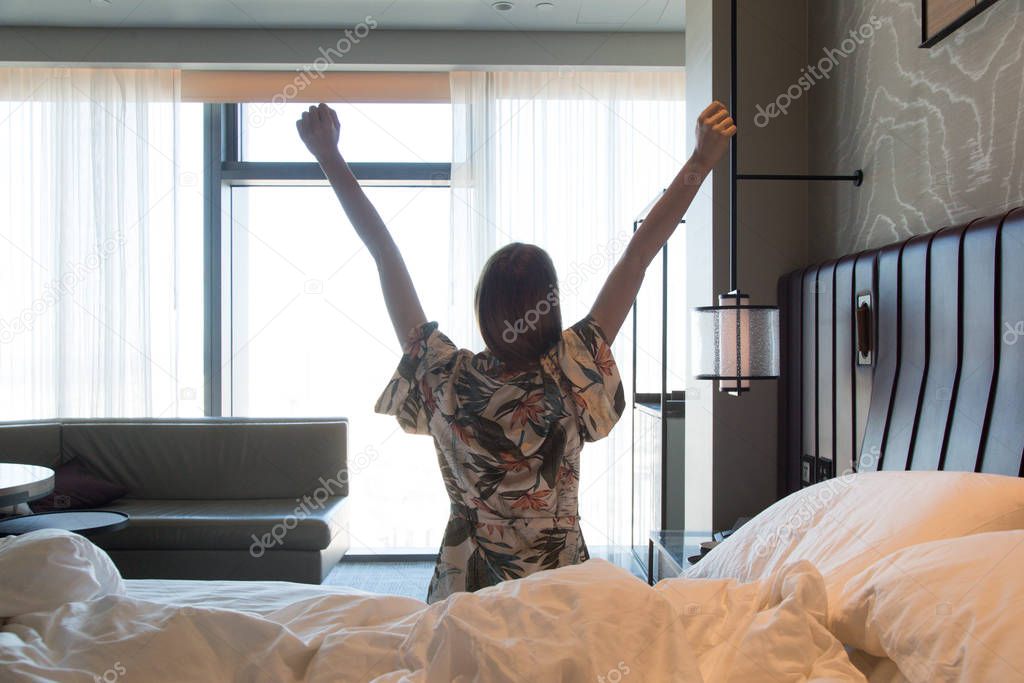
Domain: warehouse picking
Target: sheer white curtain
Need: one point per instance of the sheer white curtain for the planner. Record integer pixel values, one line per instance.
(88, 196)
(565, 161)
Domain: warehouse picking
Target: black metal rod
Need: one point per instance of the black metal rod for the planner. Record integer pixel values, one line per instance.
(856, 178)
(734, 156)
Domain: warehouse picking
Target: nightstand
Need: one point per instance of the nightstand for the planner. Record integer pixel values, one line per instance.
(668, 552)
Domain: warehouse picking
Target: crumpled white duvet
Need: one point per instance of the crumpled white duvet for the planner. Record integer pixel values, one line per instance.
(68, 617)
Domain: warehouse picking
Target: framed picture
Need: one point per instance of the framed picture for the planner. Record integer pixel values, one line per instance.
(939, 18)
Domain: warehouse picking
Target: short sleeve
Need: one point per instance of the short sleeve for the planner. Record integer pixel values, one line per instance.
(426, 366)
(586, 361)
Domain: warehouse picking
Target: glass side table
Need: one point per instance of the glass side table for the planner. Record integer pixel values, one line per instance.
(668, 552)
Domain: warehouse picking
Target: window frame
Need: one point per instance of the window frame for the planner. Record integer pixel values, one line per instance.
(224, 170)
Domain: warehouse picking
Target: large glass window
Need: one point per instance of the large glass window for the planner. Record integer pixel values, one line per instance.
(307, 332)
(372, 132)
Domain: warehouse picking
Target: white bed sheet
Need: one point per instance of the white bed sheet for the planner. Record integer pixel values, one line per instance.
(590, 622)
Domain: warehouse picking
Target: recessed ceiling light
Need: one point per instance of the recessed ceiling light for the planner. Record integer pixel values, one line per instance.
(545, 6)
(100, 3)
(502, 6)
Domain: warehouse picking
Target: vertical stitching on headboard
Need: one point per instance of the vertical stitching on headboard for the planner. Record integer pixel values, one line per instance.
(955, 390)
(835, 450)
(817, 372)
(899, 356)
(997, 308)
(927, 348)
(854, 455)
(800, 406)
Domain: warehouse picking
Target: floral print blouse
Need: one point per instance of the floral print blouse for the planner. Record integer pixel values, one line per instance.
(508, 444)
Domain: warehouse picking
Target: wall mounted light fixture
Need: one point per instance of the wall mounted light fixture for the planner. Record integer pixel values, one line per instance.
(735, 342)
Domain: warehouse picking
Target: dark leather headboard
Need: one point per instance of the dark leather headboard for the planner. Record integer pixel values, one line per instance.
(945, 385)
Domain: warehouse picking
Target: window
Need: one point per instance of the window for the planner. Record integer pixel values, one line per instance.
(304, 329)
(371, 132)
(254, 297)
(100, 246)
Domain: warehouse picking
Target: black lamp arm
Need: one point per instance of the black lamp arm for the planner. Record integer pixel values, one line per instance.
(857, 178)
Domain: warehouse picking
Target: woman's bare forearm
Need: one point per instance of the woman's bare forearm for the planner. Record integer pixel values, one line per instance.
(623, 283)
(714, 129)
(360, 211)
(666, 214)
(400, 296)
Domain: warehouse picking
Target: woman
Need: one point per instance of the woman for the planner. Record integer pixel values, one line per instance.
(509, 423)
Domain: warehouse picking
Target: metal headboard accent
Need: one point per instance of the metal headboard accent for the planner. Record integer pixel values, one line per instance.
(942, 383)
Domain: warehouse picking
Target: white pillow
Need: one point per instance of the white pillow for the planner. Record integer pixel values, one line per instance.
(943, 611)
(43, 570)
(844, 525)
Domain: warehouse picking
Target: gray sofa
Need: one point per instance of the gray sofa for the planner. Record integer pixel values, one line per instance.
(212, 498)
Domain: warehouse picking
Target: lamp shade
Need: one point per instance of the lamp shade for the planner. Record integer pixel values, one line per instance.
(735, 342)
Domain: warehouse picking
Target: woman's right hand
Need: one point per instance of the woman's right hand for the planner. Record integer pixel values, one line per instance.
(320, 130)
(714, 129)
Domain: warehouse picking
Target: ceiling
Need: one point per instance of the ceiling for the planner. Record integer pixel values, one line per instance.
(529, 15)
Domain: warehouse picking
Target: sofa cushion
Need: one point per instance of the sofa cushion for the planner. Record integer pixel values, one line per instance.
(255, 525)
(214, 459)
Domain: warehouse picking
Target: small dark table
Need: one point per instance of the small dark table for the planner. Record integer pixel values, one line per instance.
(84, 522)
(673, 547)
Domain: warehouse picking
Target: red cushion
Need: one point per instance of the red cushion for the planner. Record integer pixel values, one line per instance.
(76, 488)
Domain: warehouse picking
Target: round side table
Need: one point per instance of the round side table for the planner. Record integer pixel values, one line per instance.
(23, 483)
(84, 522)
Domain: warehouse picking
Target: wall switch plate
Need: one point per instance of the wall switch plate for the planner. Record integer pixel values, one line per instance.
(826, 469)
(807, 470)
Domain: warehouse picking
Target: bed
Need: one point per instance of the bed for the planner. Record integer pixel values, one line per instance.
(893, 553)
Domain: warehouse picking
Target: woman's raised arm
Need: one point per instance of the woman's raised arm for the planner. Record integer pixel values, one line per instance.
(714, 128)
(320, 129)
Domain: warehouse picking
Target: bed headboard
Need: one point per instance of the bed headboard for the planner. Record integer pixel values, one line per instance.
(906, 357)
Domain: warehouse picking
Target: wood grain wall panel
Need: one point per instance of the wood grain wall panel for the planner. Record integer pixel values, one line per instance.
(864, 281)
(935, 130)
(809, 374)
(825, 301)
(944, 333)
(971, 402)
(845, 363)
(913, 363)
(887, 358)
(1004, 444)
